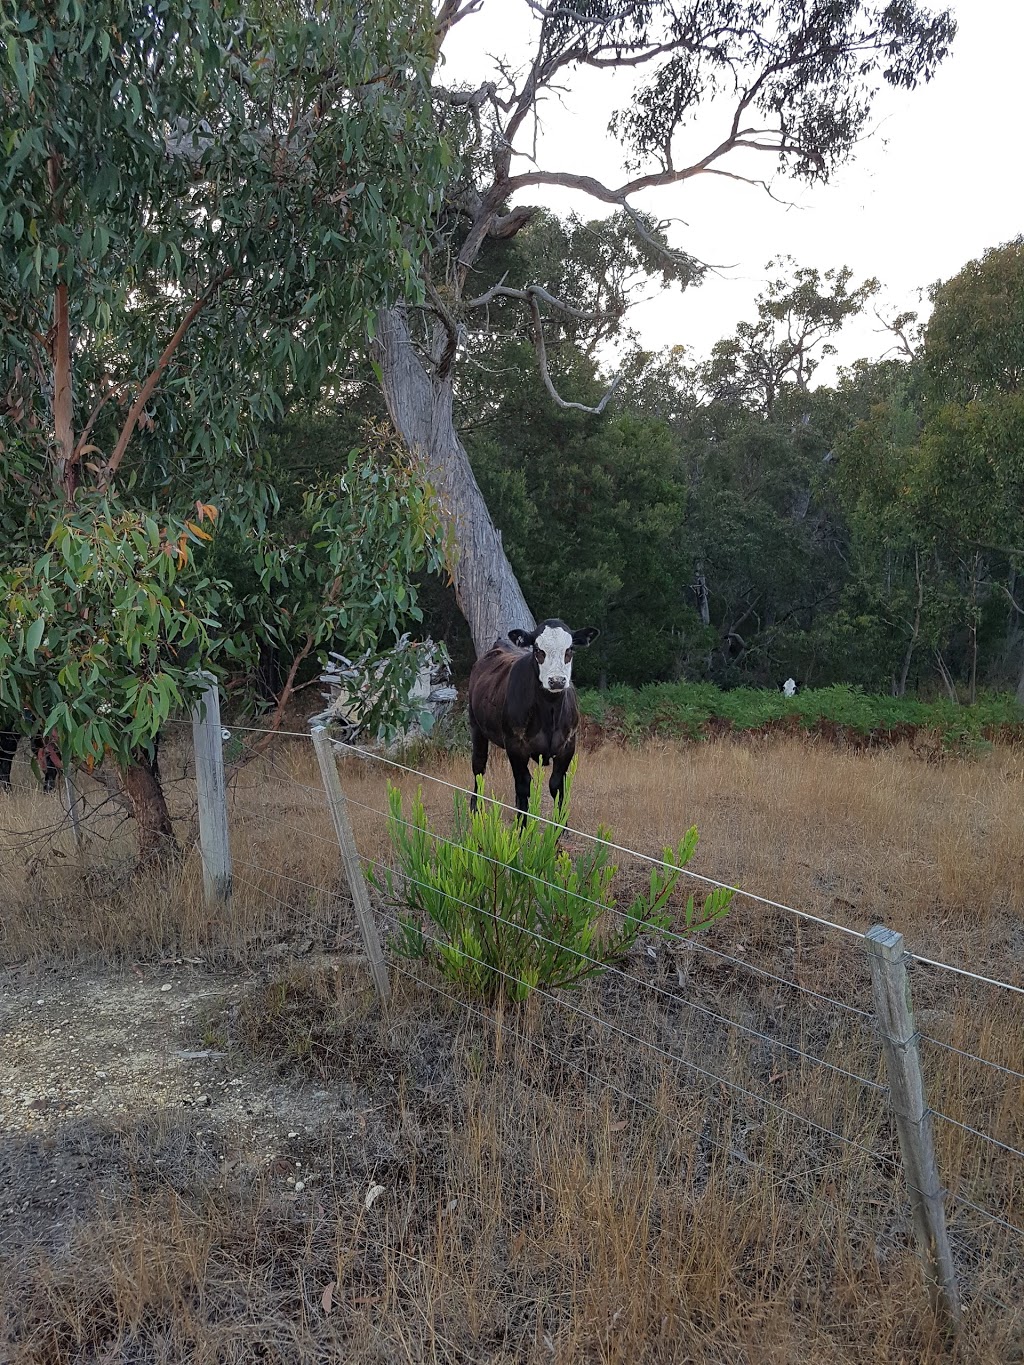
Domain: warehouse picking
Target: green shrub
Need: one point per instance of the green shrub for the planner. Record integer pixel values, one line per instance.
(502, 910)
(693, 710)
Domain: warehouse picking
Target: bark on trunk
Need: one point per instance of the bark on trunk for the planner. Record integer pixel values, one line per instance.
(157, 844)
(421, 408)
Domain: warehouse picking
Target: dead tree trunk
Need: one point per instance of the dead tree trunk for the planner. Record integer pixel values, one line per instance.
(421, 408)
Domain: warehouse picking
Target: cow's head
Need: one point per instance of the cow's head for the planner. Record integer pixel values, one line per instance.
(553, 644)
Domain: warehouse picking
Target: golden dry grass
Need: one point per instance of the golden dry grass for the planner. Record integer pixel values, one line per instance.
(556, 1188)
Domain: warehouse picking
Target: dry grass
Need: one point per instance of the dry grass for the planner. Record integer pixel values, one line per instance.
(555, 1188)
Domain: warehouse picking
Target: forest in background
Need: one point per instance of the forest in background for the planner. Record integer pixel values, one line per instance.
(730, 520)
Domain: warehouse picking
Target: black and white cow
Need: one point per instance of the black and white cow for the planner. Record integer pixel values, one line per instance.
(44, 751)
(521, 698)
(790, 687)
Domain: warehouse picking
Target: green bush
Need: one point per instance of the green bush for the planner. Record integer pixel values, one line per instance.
(692, 710)
(502, 910)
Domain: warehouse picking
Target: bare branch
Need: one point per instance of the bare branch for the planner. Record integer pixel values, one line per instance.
(148, 387)
(447, 360)
(528, 295)
(450, 13)
(542, 360)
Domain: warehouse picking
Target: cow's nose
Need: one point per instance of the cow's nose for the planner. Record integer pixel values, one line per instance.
(556, 684)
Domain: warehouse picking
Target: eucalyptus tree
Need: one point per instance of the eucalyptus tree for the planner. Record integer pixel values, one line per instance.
(791, 83)
(933, 479)
(198, 205)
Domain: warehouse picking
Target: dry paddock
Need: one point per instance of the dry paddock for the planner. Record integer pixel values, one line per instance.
(217, 1148)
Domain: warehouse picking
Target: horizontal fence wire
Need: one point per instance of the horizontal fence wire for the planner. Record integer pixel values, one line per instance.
(985, 1213)
(682, 1061)
(971, 1056)
(368, 756)
(963, 971)
(977, 1132)
(683, 940)
(612, 970)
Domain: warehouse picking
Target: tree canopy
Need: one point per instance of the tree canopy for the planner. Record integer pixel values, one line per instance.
(198, 207)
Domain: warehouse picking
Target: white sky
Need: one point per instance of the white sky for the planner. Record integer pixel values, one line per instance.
(938, 181)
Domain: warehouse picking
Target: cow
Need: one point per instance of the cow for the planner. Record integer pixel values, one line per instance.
(790, 687)
(47, 756)
(44, 751)
(521, 698)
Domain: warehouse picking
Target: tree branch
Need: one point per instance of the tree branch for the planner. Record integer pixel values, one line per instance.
(147, 389)
(542, 360)
(527, 295)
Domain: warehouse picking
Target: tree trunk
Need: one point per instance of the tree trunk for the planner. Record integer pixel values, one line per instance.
(421, 408)
(901, 687)
(157, 844)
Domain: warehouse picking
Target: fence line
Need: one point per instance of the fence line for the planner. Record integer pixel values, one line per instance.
(636, 853)
(687, 941)
(669, 1056)
(570, 829)
(684, 940)
(611, 969)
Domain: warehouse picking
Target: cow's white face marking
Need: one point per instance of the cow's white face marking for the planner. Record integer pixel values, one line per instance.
(789, 688)
(553, 651)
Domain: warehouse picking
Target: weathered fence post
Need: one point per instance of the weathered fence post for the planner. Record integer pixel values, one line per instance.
(350, 858)
(895, 1016)
(213, 807)
(72, 801)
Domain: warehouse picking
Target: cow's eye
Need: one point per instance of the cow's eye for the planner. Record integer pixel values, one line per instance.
(539, 655)
(568, 655)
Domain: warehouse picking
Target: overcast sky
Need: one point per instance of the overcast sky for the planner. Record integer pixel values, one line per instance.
(936, 183)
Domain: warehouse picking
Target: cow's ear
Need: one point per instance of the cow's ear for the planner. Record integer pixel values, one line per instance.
(584, 637)
(522, 638)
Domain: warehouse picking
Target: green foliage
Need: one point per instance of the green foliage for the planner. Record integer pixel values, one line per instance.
(974, 341)
(338, 572)
(509, 912)
(101, 641)
(590, 509)
(198, 206)
(695, 710)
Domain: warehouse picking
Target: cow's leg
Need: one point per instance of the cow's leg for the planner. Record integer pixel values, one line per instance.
(480, 751)
(521, 776)
(559, 768)
(8, 748)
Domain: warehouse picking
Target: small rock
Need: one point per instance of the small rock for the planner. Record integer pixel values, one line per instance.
(300, 1185)
(166, 986)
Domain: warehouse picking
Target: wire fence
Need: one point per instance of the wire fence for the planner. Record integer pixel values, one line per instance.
(744, 1022)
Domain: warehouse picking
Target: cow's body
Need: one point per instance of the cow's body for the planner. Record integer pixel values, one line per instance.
(47, 756)
(44, 751)
(521, 698)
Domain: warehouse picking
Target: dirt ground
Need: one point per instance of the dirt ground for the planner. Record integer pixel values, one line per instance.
(84, 1052)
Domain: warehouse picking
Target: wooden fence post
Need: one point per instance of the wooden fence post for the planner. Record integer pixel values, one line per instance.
(895, 1017)
(213, 807)
(73, 801)
(350, 858)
